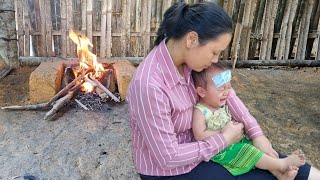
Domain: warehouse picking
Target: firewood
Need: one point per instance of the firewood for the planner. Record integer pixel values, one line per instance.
(68, 87)
(58, 105)
(82, 105)
(106, 90)
(103, 95)
(27, 107)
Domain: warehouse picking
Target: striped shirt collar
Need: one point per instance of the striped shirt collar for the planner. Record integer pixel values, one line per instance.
(170, 71)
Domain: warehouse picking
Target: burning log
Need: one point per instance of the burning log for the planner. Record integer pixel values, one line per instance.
(106, 90)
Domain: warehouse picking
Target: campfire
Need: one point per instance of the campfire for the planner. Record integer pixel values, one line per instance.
(86, 77)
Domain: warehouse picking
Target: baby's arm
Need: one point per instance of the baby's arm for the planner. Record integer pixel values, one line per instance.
(199, 126)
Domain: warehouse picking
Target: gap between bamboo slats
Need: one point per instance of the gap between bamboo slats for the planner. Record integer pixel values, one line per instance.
(19, 17)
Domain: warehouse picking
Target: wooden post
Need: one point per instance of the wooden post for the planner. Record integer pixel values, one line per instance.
(125, 27)
(318, 50)
(146, 15)
(84, 17)
(246, 30)
(70, 44)
(42, 46)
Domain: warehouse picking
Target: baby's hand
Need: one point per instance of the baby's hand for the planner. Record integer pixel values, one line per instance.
(232, 132)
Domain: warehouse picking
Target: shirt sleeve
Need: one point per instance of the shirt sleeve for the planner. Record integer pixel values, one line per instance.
(241, 114)
(153, 112)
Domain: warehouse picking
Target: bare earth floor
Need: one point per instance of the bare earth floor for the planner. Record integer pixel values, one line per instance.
(96, 145)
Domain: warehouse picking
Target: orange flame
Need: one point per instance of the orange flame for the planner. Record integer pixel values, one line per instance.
(86, 58)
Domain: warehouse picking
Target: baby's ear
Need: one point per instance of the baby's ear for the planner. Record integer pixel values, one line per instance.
(200, 91)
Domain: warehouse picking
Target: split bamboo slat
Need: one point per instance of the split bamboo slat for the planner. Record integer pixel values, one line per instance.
(47, 7)
(26, 28)
(42, 45)
(103, 28)
(264, 29)
(19, 15)
(293, 12)
(70, 43)
(63, 9)
(109, 17)
(246, 30)
(304, 30)
(238, 29)
(318, 49)
(89, 19)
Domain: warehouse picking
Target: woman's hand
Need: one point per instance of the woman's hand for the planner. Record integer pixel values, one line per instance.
(264, 145)
(232, 132)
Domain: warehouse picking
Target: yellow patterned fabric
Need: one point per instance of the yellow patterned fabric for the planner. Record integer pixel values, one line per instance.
(217, 119)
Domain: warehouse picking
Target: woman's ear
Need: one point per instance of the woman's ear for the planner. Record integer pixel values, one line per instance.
(201, 91)
(192, 39)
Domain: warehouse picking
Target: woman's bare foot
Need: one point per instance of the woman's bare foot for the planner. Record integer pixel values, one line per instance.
(297, 159)
(290, 174)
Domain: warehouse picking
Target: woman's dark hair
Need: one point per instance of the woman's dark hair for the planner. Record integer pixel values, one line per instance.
(206, 18)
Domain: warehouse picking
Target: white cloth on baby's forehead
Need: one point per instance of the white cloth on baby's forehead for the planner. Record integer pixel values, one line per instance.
(222, 78)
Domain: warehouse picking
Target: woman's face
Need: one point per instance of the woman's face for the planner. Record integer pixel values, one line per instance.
(200, 57)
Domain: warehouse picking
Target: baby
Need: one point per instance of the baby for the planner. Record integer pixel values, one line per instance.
(211, 114)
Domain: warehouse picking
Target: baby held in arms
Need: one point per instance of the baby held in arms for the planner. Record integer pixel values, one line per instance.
(211, 114)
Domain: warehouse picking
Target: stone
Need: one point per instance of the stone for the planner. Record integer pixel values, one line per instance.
(45, 81)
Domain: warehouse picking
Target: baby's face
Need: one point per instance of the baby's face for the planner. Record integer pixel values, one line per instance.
(216, 96)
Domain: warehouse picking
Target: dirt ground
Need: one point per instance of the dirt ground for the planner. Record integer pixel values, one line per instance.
(285, 101)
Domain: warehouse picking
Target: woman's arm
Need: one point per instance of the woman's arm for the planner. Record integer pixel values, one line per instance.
(241, 114)
(199, 127)
(150, 105)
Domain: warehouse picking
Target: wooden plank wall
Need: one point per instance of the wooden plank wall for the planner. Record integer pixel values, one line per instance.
(263, 29)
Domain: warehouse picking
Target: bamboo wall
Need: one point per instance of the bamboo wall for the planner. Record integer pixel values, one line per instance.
(264, 29)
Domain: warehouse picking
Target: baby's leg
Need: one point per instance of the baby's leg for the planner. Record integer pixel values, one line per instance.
(274, 164)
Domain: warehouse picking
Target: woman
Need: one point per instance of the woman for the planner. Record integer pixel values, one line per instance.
(162, 94)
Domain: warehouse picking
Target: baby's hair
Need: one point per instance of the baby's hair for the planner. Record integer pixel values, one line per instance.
(200, 78)
(206, 18)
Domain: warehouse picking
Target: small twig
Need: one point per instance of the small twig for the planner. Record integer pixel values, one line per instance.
(5, 72)
(106, 90)
(82, 105)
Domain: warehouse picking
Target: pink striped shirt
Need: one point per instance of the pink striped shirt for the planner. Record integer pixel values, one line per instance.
(160, 105)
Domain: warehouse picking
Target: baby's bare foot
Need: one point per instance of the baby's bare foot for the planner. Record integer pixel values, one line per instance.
(295, 159)
(290, 174)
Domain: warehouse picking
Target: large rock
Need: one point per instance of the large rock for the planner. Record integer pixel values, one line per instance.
(45, 81)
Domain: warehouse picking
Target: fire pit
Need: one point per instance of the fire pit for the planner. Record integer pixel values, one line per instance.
(55, 83)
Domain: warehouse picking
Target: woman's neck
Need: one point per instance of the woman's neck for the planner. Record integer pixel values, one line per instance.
(175, 48)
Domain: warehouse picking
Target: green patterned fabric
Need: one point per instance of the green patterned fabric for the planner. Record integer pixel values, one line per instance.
(238, 158)
(217, 119)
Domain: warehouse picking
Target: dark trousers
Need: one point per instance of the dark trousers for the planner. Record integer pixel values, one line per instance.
(214, 171)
